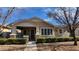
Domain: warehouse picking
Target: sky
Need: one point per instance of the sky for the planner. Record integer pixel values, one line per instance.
(21, 13)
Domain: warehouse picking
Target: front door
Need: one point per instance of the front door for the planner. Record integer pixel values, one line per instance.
(30, 31)
(32, 35)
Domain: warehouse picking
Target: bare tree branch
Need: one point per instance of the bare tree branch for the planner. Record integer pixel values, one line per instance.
(9, 12)
(68, 19)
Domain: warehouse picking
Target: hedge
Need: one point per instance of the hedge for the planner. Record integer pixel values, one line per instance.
(12, 41)
(51, 40)
(2, 41)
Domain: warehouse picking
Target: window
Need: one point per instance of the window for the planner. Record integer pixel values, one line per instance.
(24, 32)
(49, 31)
(60, 31)
(46, 31)
(42, 31)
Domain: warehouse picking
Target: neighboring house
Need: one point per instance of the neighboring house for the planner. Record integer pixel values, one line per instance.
(34, 28)
(65, 33)
(5, 31)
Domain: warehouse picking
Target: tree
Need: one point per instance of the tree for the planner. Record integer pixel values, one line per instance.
(68, 17)
(5, 17)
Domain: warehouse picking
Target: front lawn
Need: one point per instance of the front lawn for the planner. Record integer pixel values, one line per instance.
(58, 46)
(12, 47)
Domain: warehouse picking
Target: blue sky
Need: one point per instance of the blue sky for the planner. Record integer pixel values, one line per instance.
(28, 12)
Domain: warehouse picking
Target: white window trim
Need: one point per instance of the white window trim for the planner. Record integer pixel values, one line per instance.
(46, 31)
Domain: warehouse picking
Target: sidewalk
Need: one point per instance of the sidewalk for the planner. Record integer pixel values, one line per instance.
(31, 46)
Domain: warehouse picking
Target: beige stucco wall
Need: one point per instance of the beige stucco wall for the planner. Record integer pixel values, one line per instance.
(34, 23)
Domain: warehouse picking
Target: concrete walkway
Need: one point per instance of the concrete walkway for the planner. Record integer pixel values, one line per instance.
(31, 46)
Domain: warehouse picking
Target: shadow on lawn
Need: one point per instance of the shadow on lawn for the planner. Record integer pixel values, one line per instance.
(56, 47)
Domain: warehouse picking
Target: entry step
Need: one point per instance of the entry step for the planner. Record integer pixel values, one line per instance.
(31, 42)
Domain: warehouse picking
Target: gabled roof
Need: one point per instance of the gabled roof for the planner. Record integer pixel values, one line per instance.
(24, 20)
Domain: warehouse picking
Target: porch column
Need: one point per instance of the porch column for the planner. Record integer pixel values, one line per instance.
(58, 34)
(37, 32)
(53, 33)
(13, 34)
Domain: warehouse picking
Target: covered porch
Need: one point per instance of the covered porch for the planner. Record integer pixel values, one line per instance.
(29, 32)
(25, 32)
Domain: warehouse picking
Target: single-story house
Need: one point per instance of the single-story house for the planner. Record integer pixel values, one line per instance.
(34, 28)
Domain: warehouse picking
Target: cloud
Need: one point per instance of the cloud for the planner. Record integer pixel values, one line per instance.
(48, 19)
(48, 9)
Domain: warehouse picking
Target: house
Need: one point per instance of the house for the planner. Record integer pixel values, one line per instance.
(5, 31)
(64, 32)
(34, 28)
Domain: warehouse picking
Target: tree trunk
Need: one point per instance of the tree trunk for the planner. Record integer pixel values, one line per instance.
(72, 34)
(75, 40)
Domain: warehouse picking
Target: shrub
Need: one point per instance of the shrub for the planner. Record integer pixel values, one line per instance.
(19, 41)
(45, 40)
(2, 41)
(16, 41)
(58, 39)
(41, 40)
(64, 39)
(50, 40)
(12, 41)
